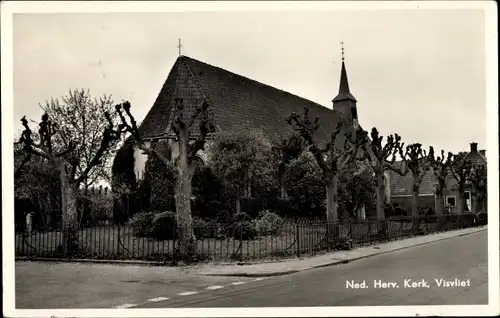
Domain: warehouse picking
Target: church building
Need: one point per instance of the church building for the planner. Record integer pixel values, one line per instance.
(235, 102)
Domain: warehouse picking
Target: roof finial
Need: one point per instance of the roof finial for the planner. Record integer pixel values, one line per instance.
(342, 44)
(179, 47)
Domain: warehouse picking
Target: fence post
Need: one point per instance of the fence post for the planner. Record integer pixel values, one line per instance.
(117, 240)
(23, 239)
(241, 244)
(297, 235)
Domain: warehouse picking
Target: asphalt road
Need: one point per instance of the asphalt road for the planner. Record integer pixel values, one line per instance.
(463, 258)
(48, 285)
(45, 285)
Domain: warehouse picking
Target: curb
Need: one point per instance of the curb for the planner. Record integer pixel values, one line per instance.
(337, 262)
(272, 274)
(95, 261)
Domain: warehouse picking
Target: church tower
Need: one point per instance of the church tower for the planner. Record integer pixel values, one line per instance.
(344, 102)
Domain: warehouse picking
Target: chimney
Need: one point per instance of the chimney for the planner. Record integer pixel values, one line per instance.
(473, 147)
(483, 152)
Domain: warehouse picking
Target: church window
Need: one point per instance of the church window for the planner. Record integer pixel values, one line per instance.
(354, 112)
(450, 200)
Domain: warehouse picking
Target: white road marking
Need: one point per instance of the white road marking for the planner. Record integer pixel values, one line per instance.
(214, 287)
(125, 306)
(187, 293)
(237, 283)
(157, 299)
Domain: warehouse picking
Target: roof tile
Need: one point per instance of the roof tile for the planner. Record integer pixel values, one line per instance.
(237, 102)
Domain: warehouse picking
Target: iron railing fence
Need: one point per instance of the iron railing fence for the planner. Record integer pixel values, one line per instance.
(241, 242)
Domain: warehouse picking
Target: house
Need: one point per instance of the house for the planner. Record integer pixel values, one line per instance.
(236, 103)
(400, 187)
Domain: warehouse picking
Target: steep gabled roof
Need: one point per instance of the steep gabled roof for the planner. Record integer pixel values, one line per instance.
(236, 102)
(475, 158)
(402, 185)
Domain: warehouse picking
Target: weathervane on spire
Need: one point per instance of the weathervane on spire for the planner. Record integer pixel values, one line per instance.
(342, 44)
(179, 47)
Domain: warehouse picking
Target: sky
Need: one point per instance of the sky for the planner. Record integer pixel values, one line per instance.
(418, 73)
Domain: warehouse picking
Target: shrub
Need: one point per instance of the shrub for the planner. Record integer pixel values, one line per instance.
(343, 243)
(201, 228)
(164, 226)
(268, 223)
(217, 229)
(242, 227)
(207, 189)
(208, 229)
(467, 219)
(482, 218)
(142, 223)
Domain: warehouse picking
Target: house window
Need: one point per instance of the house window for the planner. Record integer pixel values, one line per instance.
(450, 201)
(468, 201)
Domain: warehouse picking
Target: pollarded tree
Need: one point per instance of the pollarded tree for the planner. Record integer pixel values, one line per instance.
(65, 159)
(441, 168)
(330, 158)
(35, 180)
(185, 163)
(460, 170)
(418, 162)
(479, 187)
(382, 158)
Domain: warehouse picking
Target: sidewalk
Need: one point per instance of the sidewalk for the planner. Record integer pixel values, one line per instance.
(297, 265)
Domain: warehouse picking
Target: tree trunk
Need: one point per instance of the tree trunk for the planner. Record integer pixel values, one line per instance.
(415, 205)
(380, 195)
(439, 203)
(461, 202)
(49, 213)
(187, 240)
(414, 201)
(69, 214)
(380, 191)
(474, 203)
(332, 206)
(238, 205)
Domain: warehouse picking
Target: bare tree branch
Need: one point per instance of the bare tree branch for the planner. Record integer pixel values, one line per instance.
(134, 131)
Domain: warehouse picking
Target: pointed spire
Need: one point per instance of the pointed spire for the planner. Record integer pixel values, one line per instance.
(344, 93)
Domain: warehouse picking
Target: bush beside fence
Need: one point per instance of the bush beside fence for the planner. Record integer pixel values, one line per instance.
(218, 242)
